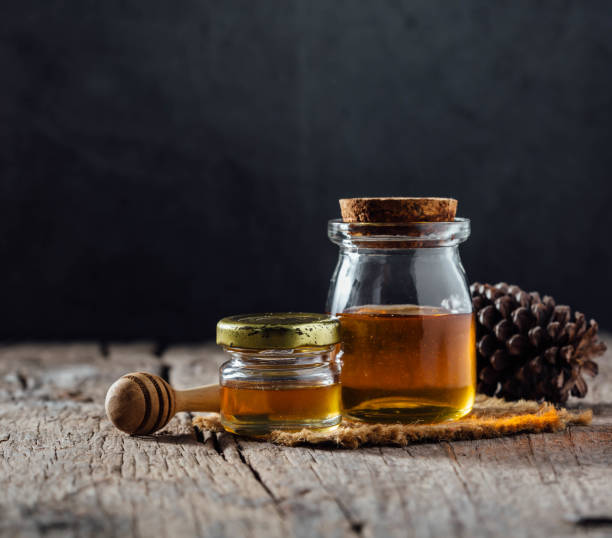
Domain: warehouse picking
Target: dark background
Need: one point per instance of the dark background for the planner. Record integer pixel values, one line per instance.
(163, 164)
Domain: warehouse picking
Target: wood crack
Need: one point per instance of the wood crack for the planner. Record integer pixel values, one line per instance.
(160, 349)
(104, 351)
(356, 526)
(533, 459)
(456, 469)
(398, 489)
(258, 478)
(592, 521)
(214, 437)
(199, 434)
(23, 382)
(456, 466)
(573, 446)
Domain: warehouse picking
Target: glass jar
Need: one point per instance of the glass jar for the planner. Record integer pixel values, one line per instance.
(406, 319)
(282, 373)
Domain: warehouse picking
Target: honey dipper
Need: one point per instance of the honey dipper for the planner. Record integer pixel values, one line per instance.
(141, 403)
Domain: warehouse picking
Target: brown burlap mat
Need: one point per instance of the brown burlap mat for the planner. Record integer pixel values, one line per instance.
(491, 417)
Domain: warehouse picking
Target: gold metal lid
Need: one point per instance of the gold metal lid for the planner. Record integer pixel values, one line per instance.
(285, 330)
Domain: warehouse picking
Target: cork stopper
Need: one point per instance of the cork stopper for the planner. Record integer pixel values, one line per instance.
(395, 210)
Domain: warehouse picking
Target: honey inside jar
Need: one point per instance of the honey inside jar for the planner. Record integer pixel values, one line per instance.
(293, 407)
(407, 363)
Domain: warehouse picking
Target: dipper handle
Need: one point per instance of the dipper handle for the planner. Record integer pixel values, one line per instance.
(141, 403)
(204, 398)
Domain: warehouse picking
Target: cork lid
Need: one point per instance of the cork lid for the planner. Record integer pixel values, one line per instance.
(398, 209)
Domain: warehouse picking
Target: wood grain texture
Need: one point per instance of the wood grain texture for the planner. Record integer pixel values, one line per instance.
(194, 365)
(64, 471)
(78, 371)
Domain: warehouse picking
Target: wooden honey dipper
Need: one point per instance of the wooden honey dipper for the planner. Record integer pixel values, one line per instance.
(141, 403)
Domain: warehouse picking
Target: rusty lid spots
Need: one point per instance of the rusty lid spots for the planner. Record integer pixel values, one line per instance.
(285, 330)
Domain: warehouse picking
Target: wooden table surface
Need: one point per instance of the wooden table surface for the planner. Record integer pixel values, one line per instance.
(65, 471)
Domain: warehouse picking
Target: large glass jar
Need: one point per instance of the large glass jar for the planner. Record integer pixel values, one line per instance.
(405, 320)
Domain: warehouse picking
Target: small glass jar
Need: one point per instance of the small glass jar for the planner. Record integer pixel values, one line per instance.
(406, 321)
(282, 374)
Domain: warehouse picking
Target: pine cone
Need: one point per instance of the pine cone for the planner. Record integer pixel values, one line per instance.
(529, 347)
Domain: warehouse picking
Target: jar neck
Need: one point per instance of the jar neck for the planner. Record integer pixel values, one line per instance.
(298, 357)
(443, 254)
(398, 236)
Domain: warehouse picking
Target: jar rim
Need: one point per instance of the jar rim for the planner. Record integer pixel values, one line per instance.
(381, 235)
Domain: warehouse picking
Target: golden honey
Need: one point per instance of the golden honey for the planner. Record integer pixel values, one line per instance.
(407, 363)
(289, 407)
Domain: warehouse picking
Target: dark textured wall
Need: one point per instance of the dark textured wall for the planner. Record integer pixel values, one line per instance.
(163, 164)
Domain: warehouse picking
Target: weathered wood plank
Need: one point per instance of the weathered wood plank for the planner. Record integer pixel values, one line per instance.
(194, 365)
(76, 371)
(483, 488)
(514, 485)
(292, 480)
(578, 466)
(63, 467)
(65, 471)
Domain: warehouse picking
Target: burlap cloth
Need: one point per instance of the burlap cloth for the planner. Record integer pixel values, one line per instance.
(491, 417)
